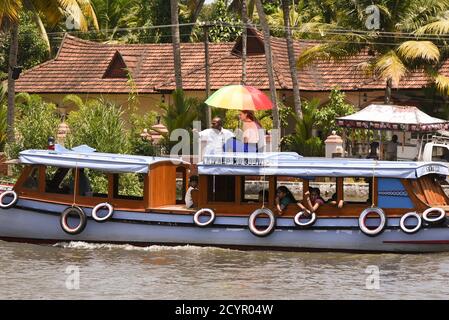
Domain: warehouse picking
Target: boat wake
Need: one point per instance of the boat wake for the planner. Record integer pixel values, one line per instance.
(109, 246)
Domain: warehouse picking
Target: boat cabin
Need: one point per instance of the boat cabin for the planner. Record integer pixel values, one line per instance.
(127, 182)
(230, 183)
(242, 183)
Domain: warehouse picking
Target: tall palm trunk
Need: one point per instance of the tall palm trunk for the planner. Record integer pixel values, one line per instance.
(269, 61)
(11, 82)
(292, 58)
(176, 43)
(388, 91)
(244, 40)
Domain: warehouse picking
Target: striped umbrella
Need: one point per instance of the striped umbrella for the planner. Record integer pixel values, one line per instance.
(239, 97)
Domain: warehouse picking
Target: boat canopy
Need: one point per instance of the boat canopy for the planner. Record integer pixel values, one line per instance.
(107, 162)
(291, 164)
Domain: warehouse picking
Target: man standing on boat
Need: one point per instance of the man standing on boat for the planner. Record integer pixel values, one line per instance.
(391, 152)
(215, 137)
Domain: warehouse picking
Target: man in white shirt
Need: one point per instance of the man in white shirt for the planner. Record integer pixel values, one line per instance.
(215, 137)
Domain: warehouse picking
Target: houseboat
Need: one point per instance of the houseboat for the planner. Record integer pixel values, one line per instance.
(64, 195)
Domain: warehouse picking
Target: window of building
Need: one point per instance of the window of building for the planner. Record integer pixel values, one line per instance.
(254, 189)
(129, 186)
(221, 189)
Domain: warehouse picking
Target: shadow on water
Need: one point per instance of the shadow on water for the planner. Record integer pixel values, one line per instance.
(187, 272)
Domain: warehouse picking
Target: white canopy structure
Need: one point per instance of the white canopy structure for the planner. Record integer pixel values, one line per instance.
(392, 117)
(84, 157)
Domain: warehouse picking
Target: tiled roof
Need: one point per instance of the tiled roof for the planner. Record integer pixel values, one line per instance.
(80, 67)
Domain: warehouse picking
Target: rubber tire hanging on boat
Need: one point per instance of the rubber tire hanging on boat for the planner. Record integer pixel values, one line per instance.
(73, 211)
(407, 229)
(98, 207)
(10, 204)
(252, 222)
(308, 223)
(379, 229)
(441, 218)
(196, 217)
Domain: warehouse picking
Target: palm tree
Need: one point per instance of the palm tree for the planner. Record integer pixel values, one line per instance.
(269, 61)
(393, 53)
(53, 11)
(291, 58)
(244, 40)
(176, 43)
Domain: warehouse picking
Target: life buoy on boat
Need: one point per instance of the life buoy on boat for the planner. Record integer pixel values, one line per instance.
(362, 221)
(405, 228)
(199, 213)
(73, 211)
(252, 222)
(308, 223)
(98, 207)
(440, 218)
(10, 193)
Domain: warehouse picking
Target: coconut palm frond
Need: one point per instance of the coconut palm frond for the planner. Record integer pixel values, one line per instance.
(390, 66)
(334, 50)
(426, 50)
(52, 10)
(9, 13)
(442, 83)
(437, 27)
(88, 11)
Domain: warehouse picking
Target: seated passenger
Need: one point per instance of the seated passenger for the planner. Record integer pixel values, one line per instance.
(283, 198)
(193, 184)
(313, 201)
(333, 201)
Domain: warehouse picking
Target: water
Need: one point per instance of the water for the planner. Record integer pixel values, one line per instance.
(187, 272)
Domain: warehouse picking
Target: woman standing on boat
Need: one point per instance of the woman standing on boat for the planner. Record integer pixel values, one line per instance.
(251, 127)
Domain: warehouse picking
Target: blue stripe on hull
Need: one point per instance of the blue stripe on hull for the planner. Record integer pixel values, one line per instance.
(36, 221)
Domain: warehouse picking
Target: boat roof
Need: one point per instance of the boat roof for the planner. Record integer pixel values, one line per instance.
(292, 164)
(84, 157)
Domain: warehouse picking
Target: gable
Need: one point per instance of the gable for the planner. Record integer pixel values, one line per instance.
(254, 44)
(117, 68)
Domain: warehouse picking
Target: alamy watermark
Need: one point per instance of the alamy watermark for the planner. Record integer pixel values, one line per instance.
(372, 21)
(372, 281)
(72, 281)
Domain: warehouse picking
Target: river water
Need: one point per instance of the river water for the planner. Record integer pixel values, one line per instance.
(80, 270)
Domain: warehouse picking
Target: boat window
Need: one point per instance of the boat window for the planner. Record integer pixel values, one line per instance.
(128, 186)
(181, 177)
(59, 180)
(254, 189)
(294, 184)
(357, 189)
(326, 185)
(221, 189)
(32, 181)
(440, 153)
(92, 183)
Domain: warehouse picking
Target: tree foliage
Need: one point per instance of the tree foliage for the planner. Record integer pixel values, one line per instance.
(36, 122)
(99, 124)
(325, 116)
